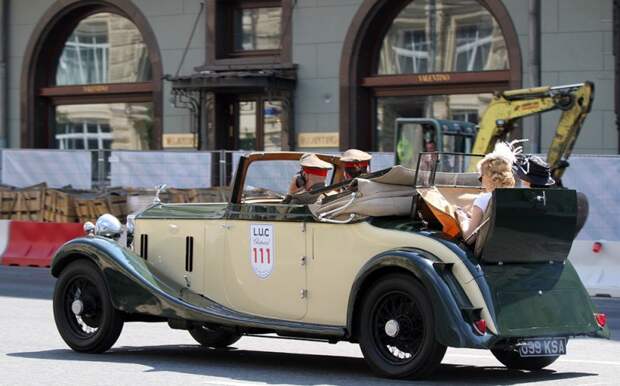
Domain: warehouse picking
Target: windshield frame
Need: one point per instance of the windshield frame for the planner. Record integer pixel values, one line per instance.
(433, 171)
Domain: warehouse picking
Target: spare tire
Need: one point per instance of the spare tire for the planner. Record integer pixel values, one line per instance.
(583, 208)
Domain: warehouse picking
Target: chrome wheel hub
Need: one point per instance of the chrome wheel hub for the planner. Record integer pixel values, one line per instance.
(77, 307)
(392, 328)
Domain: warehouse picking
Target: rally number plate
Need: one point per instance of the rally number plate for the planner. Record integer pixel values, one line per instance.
(542, 347)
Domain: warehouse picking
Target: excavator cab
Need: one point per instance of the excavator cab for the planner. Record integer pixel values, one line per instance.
(422, 135)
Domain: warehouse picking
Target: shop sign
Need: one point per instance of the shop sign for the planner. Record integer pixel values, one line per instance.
(95, 89)
(432, 78)
(180, 141)
(318, 140)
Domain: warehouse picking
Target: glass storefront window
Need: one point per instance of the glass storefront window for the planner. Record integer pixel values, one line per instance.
(272, 116)
(436, 106)
(247, 125)
(257, 28)
(117, 126)
(104, 48)
(443, 36)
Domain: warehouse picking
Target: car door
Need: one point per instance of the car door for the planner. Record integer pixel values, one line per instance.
(265, 271)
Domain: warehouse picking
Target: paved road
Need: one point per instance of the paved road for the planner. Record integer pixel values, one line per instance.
(32, 353)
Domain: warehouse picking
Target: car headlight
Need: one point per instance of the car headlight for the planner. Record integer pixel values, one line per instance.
(108, 226)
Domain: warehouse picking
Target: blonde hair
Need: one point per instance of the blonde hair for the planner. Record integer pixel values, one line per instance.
(500, 172)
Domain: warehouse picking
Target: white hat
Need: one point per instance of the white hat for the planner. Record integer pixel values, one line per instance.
(354, 155)
(310, 160)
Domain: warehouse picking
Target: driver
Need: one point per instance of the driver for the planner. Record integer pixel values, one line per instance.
(355, 163)
(310, 178)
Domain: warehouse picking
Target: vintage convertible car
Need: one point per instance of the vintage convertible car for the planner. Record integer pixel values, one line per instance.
(377, 261)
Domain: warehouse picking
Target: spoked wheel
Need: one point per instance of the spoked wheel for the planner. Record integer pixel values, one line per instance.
(397, 333)
(512, 360)
(214, 337)
(83, 313)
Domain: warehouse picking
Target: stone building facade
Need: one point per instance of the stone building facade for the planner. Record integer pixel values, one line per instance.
(287, 74)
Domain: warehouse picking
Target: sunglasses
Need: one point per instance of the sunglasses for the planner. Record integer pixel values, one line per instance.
(355, 171)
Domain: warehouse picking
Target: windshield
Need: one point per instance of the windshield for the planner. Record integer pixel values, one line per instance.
(415, 136)
(270, 179)
(447, 169)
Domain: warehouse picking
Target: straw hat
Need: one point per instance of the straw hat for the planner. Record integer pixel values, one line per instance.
(354, 155)
(310, 160)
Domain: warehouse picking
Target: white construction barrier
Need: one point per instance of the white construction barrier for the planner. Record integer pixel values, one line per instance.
(57, 168)
(133, 169)
(597, 177)
(599, 272)
(4, 236)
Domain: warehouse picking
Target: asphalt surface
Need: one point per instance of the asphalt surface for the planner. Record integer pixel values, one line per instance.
(32, 353)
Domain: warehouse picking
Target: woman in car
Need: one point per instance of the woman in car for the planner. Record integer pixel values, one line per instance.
(495, 171)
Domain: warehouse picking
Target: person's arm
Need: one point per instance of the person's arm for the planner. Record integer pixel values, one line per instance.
(293, 188)
(469, 223)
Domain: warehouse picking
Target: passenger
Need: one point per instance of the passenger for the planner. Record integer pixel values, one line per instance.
(310, 178)
(495, 171)
(356, 163)
(533, 171)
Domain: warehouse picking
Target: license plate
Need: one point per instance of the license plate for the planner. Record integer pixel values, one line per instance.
(542, 347)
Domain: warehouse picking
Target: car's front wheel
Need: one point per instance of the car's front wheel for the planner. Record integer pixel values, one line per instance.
(396, 329)
(84, 315)
(215, 338)
(512, 360)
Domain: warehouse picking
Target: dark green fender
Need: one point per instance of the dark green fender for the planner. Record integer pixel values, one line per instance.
(133, 289)
(450, 305)
(524, 300)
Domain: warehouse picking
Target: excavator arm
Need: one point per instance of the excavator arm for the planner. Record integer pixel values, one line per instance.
(568, 129)
(574, 100)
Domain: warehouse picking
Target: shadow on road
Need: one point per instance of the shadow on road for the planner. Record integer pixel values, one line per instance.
(286, 368)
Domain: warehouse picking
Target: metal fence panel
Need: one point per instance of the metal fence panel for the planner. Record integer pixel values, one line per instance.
(132, 169)
(381, 161)
(599, 179)
(57, 168)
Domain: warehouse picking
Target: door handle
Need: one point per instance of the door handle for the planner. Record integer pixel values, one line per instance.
(542, 199)
(226, 226)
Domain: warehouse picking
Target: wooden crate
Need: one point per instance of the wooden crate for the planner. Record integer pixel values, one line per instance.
(90, 209)
(177, 196)
(214, 194)
(117, 205)
(7, 203)
(59, 206)
(28, 203)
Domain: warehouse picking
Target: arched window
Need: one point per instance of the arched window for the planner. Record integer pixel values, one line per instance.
(104, 48)
(98, 87)
(442, 36)
(423, 58)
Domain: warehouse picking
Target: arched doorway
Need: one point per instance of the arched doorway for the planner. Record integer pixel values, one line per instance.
(91, 79)
(440, 58)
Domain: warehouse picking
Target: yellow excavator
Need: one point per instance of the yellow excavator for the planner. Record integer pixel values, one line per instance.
(416, 135)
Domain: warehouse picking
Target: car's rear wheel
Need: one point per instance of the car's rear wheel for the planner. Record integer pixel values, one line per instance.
(84, 315)
(215, 338)
(396, 329)
(512, 360)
